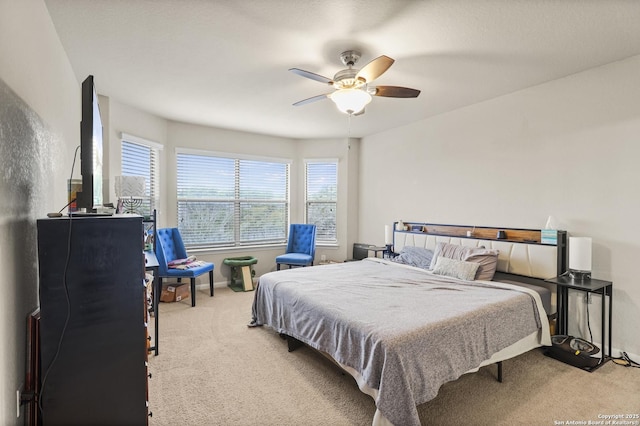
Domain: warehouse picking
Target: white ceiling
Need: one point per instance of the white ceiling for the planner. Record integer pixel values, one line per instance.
(225, 63)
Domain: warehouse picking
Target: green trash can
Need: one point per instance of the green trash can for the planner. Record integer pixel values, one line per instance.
(242, 272)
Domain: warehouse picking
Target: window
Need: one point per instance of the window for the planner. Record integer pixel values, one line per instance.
(321, 195)
(140, 158)
(226, 202)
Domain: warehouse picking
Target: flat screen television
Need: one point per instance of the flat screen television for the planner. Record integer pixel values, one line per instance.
(89, 199)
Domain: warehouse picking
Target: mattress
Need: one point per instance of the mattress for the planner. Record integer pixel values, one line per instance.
(543, 292)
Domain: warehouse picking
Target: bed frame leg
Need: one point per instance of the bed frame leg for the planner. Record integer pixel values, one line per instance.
(500, 371)
(292, 342)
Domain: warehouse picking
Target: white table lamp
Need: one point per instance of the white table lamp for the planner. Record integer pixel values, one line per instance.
(580, 257)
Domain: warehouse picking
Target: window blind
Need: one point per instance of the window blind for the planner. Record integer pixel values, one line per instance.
(142, 160)
(321, 195)
(230, 201)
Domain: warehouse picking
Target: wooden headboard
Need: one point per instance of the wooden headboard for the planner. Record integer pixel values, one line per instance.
(531, 253)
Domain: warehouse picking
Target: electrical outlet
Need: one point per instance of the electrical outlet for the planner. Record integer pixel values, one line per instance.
(323, 258)
(20, 400)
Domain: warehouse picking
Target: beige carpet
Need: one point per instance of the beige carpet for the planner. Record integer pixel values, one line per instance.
(213, 370)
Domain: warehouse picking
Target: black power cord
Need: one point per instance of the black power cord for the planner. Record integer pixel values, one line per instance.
(66, 293)
(67, 205)
(625, 361)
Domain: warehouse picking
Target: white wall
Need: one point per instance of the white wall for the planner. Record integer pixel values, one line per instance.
(568, 148)
(40, 112)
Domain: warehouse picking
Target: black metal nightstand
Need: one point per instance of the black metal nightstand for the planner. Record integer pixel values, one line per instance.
(378, 249)
(361, 251)
(564, 283)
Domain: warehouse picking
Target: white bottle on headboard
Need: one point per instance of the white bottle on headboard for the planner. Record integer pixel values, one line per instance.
(400, 225)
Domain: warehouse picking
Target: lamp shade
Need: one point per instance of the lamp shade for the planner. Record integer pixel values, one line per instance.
(388, 235)
(350, 101)
(130, 186)
(580, 254)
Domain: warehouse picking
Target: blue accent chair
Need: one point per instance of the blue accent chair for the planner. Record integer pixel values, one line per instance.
(301, 246)
(169, 246)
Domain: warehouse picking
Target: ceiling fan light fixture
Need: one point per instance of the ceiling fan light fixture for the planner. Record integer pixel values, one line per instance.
(350, 101)
(352, 86)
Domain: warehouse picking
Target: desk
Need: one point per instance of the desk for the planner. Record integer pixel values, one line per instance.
(151, 264)
(565, 283)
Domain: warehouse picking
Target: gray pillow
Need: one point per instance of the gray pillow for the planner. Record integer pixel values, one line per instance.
(415, 256)
(488, 261)
(451, 251)
(487, 258)
(456, 268)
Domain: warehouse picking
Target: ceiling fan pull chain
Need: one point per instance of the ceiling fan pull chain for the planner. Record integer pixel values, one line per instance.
(349, 132)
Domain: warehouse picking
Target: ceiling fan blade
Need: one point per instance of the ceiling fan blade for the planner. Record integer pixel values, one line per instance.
(313, 99)
(311, 75)
(375, 68)
(396, 92)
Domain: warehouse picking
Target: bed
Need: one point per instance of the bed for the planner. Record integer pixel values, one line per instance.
(403, 330)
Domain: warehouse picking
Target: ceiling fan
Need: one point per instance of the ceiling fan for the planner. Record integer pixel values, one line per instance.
(353, 91)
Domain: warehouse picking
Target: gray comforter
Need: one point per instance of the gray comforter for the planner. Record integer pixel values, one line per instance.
(404, 330)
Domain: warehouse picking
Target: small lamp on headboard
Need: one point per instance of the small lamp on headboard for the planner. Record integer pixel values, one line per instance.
(580, 258)
(388, 239)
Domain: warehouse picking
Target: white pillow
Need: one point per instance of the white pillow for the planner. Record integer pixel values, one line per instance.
(456, 268)
(487, 258)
